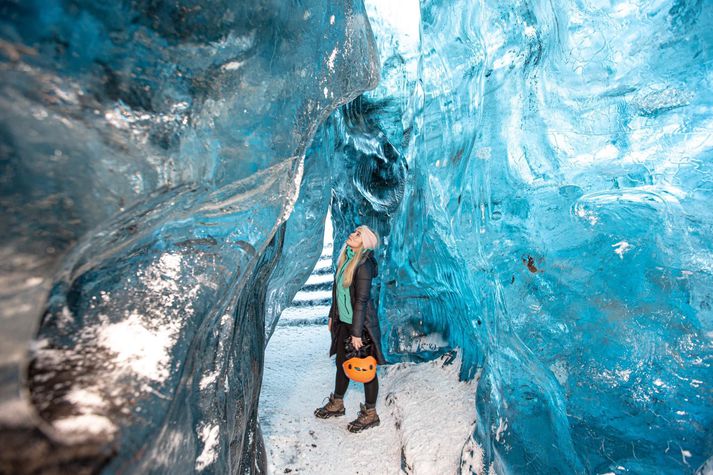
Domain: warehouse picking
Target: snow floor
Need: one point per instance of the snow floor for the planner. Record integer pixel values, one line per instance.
(427, 415)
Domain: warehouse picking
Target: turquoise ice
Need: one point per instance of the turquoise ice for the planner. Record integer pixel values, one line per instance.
(540, 173)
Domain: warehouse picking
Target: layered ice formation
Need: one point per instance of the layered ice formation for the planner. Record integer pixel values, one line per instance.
(152, 153)
(540, 173)
(553, 221)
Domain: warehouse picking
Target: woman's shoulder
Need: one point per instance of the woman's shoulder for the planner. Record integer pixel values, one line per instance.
(368, 267)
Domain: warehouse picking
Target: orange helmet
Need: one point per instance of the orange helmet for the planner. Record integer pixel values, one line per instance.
(361, 370)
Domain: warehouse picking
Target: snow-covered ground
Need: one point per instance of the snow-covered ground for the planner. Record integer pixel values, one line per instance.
(427, 415)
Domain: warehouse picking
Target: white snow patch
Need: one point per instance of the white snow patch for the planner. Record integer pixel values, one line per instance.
(624, 374)
(506, 60)
(320, 278)
(209, 435)
(304, 313)
(502, 427)
(135, 347)
(624, 9)
(84, 426)
(331, 20)
(415, 402)
(207, 380)
(233, 65)
(323, 264)
(33, 281)
(163, 276)
(622, 247)
(312, 296)
(530, 31)
(332, 58)
(138, 348)
(428, 399)
(586, 214)
(86, 399)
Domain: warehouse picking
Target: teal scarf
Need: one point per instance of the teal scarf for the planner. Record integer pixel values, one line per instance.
(344, 303)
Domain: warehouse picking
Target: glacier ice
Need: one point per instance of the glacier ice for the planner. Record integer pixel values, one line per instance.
(152, 153)
(540, 173)
(552, 221)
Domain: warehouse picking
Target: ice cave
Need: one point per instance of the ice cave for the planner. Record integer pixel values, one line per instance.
(539, 173)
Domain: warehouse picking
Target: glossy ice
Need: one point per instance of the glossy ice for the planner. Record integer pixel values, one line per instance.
(541, 173)
(152, 153)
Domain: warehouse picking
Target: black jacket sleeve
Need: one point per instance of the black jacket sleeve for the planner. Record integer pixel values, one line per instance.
(333, 307)
(362, 294)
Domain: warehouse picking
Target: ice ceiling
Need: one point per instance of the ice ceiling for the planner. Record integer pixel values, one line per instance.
(541, 173)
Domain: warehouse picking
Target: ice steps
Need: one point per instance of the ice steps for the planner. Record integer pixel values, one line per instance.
(312, 302)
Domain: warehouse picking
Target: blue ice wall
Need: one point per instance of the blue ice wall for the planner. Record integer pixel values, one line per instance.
(304, 230)
(152, 153)
(540, 173)
(552, 222)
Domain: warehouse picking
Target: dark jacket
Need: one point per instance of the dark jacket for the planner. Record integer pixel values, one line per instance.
(363, 310)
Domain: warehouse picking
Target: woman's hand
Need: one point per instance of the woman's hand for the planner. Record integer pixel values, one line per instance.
(329, 324)
(356, 342)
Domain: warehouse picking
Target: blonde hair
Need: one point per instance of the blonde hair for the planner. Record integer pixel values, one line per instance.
(356, 260)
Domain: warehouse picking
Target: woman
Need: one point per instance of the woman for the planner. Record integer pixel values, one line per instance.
(353, 315)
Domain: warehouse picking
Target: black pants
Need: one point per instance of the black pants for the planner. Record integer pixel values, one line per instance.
(371, 389)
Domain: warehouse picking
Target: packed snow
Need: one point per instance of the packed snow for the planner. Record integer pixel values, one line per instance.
(427, 415)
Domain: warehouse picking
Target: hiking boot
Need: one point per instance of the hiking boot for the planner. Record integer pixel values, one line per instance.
(334, 408)
(367, 418)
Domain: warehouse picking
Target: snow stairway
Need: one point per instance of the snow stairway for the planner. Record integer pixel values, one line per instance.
(311, 303)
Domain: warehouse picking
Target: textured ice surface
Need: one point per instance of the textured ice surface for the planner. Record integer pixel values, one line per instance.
(151, 155)
(542, 174)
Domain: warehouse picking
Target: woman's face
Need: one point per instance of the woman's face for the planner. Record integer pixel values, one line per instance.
(354, 240)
